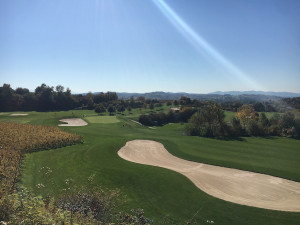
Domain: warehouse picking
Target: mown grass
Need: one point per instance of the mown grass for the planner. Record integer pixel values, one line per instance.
(158, 191)
(102, 119)
(45, 118)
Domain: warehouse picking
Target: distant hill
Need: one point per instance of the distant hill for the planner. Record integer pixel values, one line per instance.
(153, 95)
(216, 96)
(269, 93)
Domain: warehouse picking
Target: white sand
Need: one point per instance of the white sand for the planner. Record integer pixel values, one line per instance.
(238, 186)
(19, 114)
(142, 124)
(137, 122)
(73, 122)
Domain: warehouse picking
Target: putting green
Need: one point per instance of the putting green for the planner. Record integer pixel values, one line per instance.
(102, 119)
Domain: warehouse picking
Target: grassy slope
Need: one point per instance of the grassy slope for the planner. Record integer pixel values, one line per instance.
(159, 191)
(102, 119)
(45, 118)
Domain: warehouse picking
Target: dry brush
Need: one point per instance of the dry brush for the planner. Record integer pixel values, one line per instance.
(18, 139)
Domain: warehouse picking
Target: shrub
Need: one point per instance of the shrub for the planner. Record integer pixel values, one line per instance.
(25, 208)
(208, 122)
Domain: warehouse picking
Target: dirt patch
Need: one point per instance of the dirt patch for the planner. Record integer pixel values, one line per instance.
(19, 114)
(73, 122)
(238, 186)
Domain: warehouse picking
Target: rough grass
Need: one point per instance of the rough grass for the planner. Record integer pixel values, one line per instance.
(158, 191)
(18, 139)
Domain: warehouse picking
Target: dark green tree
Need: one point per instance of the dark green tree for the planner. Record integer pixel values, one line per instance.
(207, 122)
(236, 127)
(100, 108)
(22, 91)
(120, 108)
(45, 96)
(151, 105)
(287, 120)
(90, 103)
(111, 109)
(264, 121)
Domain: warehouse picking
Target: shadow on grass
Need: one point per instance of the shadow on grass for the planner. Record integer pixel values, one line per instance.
(230, 138)
(296, 138)
(268, 137)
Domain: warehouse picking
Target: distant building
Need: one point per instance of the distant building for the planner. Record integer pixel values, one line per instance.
(175, 109)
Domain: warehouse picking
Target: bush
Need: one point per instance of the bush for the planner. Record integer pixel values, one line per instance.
(94, 203)
(208, 122)
(25, 208)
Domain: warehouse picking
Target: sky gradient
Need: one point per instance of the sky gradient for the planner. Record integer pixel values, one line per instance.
(195, 46)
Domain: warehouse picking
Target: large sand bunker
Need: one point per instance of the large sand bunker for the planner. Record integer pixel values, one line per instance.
(238, 186)
(73, 122)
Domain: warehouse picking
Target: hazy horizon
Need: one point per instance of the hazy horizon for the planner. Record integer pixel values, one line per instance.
(187, 92)
(153, 45)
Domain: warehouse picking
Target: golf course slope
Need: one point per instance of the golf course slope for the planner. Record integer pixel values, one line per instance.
(238, 186)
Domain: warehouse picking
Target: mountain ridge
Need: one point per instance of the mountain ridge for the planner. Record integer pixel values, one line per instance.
(271, 93)
(218, 96)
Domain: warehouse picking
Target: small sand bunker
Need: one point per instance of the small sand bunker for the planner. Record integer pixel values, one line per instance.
(238, 186)
(73, 122)
(19, 114)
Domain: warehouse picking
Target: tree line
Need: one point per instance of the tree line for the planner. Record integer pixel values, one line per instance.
(46, 98)
(208, 120)
(158, 119)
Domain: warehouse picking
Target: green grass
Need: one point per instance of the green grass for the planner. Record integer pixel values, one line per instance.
(229, 115)
(102, 119)
(161, 192)
(45, 118)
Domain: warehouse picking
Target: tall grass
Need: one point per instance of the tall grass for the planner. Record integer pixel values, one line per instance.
(17, 139)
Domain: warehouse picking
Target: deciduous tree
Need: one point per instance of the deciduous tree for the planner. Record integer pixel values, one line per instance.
(246, 113)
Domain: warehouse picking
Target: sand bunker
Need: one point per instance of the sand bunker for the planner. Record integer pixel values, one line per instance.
(238, 186)
(73, 122)
(19, 114)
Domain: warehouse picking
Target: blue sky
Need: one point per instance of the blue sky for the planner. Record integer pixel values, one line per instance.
(195, 46)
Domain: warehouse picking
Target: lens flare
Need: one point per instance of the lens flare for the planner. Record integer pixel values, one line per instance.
(203, 46)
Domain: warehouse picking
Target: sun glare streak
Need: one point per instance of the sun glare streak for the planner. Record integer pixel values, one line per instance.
(204, 46)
